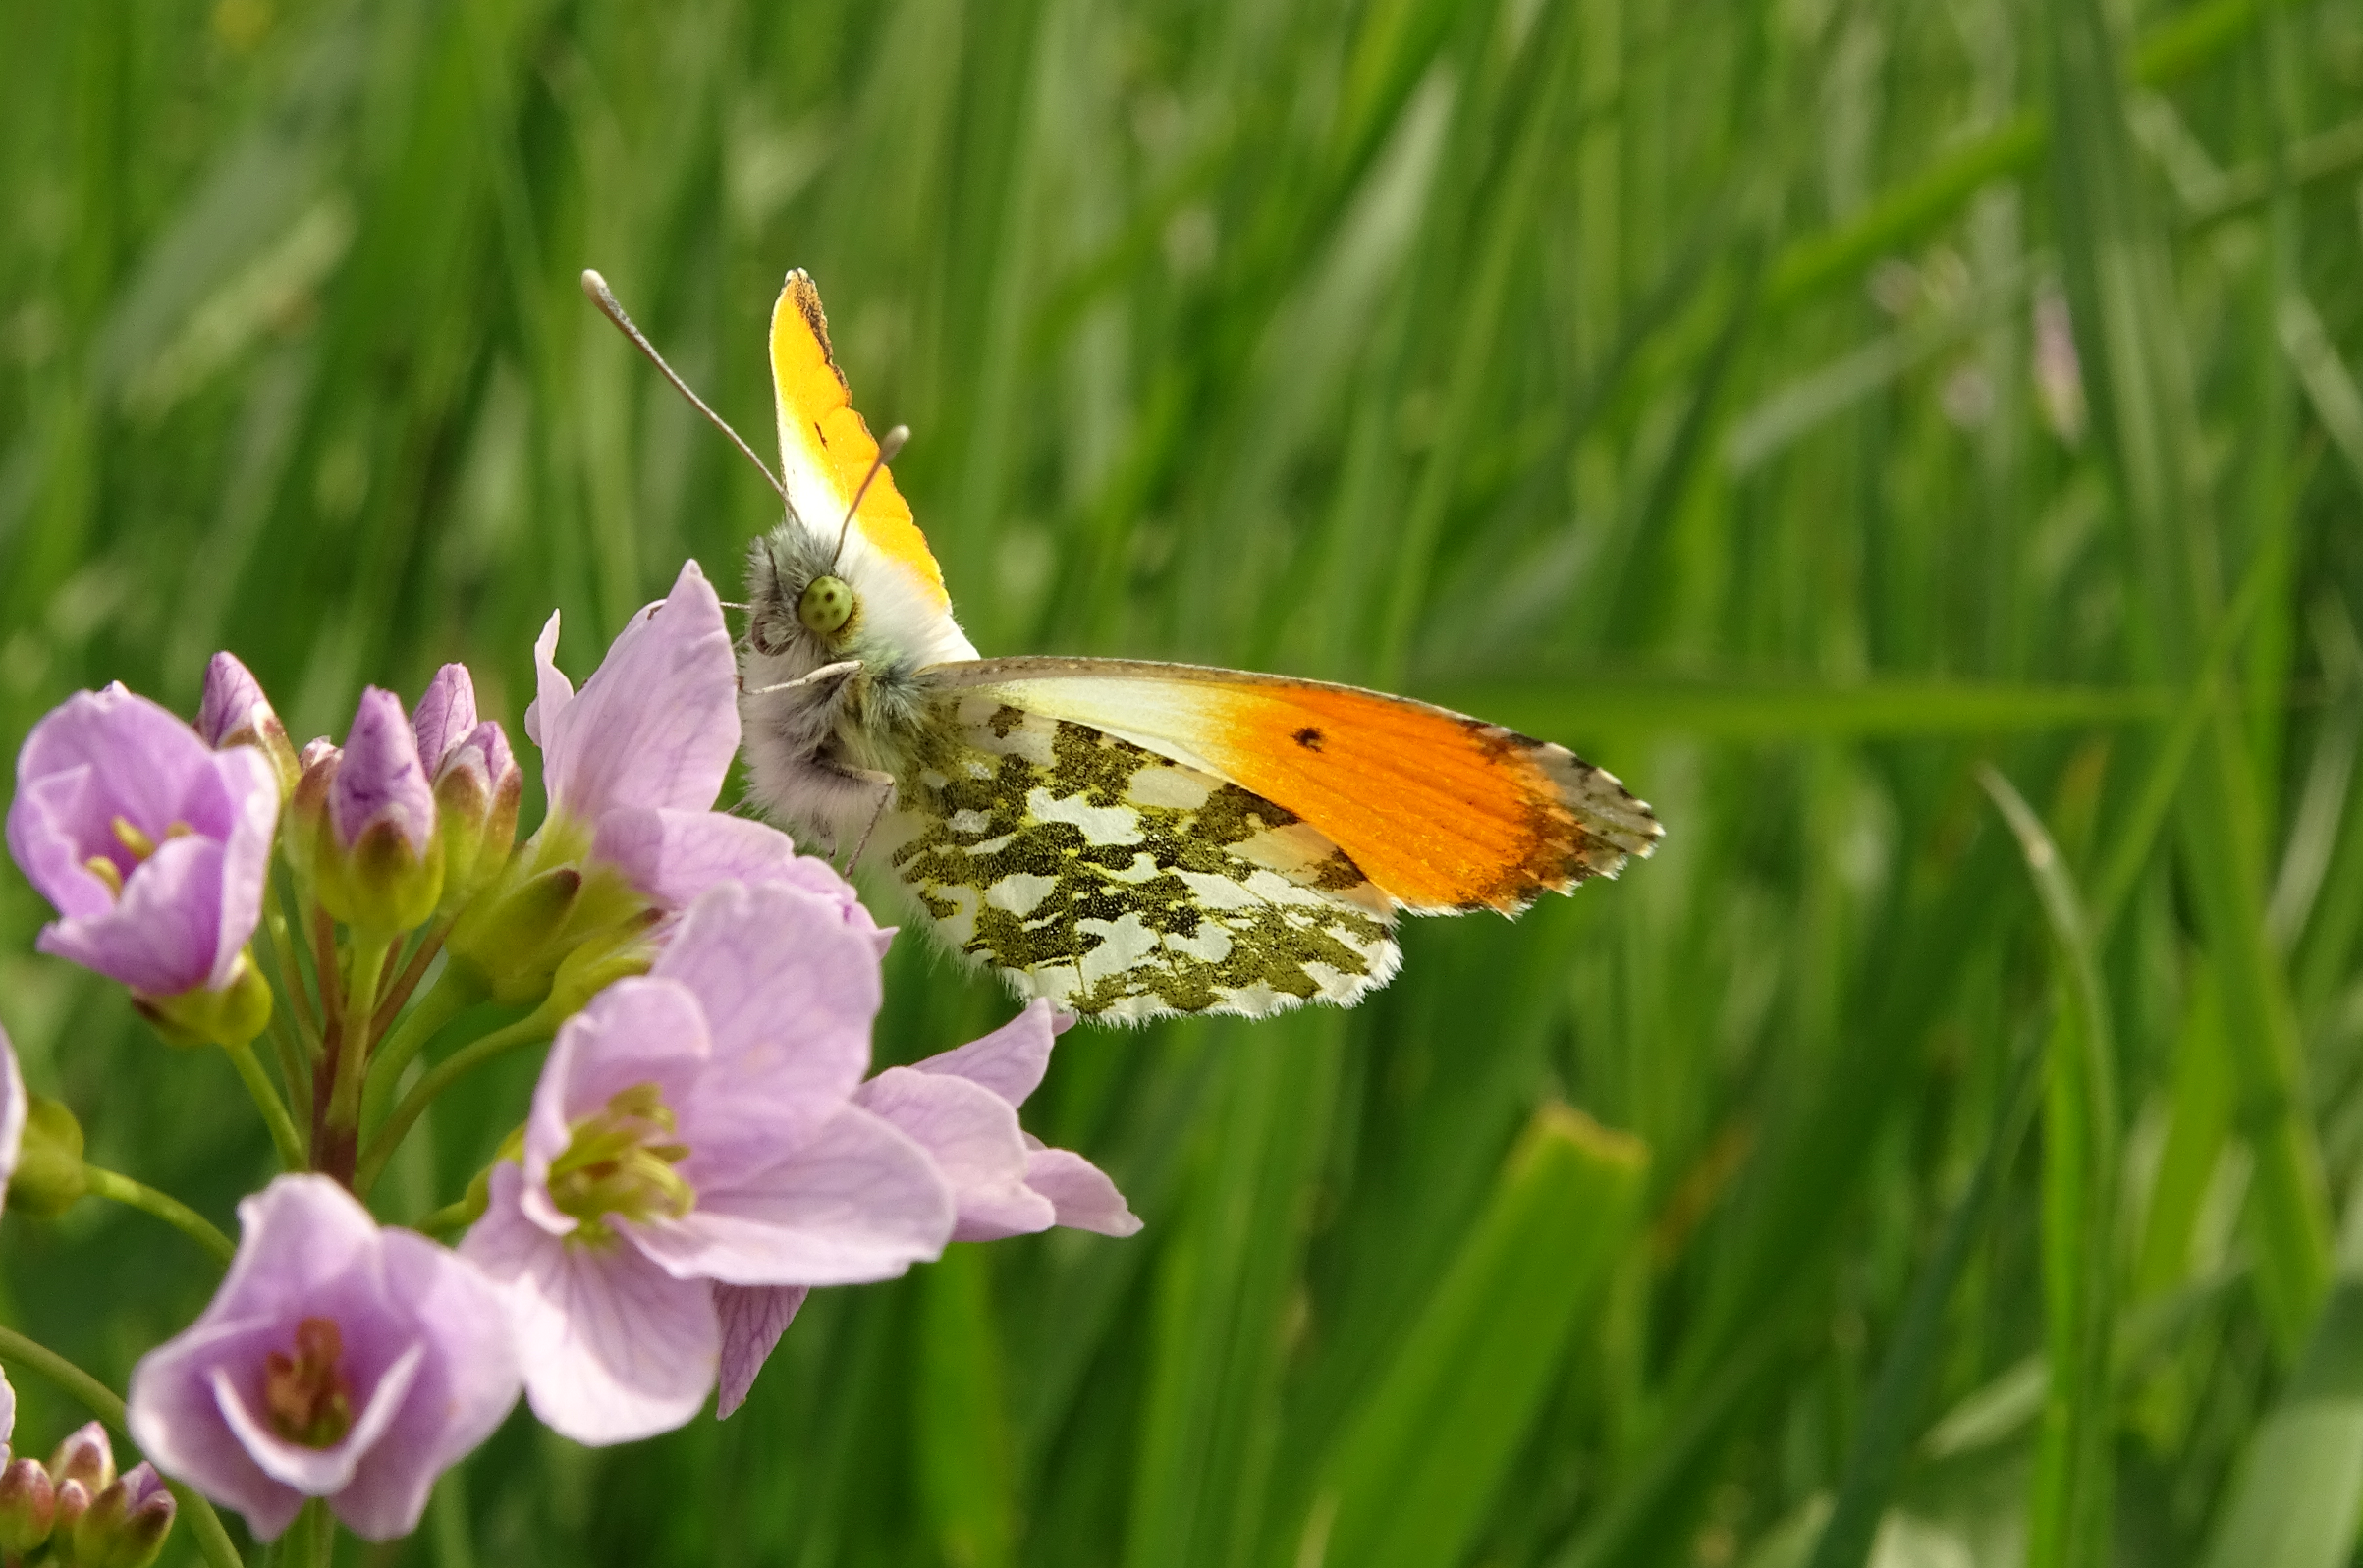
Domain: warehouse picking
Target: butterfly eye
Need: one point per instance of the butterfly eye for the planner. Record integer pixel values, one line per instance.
(827, 605)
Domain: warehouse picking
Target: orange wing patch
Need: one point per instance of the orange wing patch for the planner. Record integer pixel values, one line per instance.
(1441, 811)
(825, 447)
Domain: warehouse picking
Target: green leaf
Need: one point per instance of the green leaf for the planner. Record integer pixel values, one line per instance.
(1420, 1462)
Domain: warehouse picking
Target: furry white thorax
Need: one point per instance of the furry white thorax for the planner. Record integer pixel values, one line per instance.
(810, 747)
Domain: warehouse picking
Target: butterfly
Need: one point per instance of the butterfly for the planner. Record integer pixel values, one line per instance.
(1128, 839)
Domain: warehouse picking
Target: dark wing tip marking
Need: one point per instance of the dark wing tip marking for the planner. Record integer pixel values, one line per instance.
(1590, 830)
(805, 295)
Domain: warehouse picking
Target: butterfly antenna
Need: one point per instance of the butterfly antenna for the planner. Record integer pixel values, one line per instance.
(596, 286)
(889, 444)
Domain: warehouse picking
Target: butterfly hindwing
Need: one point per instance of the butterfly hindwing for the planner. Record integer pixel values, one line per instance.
(1120, 884)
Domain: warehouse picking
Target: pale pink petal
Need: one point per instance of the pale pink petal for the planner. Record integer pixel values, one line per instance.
(14, 1106)
(788, 992)
(657, 724)
(552, 691)
(613, 1347)
(972, 1134)
(753, 1317)
(856, 1201)
(176, 1418)
(1011, 1059)
(674, 855)
(1084, 1195)
(8, 1397)
(463, 1391)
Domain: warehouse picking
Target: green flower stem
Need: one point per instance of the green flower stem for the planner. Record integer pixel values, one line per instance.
(341, 1130)
(399, 993)
(311, 1541)
(101, 1401)
(291, 973)
(118, 1188)
(447, 999)
(450, 1218)
(532, 1029)
(284, 1136)
(295, 1068)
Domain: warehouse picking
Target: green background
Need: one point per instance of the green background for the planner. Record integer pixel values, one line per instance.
(1685, 380)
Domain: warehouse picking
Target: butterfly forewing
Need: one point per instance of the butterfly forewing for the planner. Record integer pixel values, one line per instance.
(1443, 812)
(1119, 883)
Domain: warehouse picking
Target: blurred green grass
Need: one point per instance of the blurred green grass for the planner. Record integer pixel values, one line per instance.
(1684, 382)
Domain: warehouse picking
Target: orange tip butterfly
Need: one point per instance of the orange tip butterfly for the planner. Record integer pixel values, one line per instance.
(1128, 839)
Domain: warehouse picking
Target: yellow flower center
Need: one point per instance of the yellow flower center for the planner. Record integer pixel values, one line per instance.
(136, 844)
(306, 1394)
(620, 1162)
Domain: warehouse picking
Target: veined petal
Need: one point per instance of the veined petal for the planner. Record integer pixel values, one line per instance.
(1011, 1059)
(673, 855)
(789, 992)
(856, 1201)
(1081, 1192)
(753, 1317)
(460, 1394)
(613, 1347)
(972, 1134)
(164, 936)
(657, 724)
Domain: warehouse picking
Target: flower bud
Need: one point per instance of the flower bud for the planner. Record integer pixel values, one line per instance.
(316, 766)
(229, 1016)
(380, 860)
(49, 1178)
(511, 938)
(27, 1506)
(476, 795)
(609, 955)
(125, 1524)
(84, 1456)
(73, 1501)
(234, 712)
(444, 716)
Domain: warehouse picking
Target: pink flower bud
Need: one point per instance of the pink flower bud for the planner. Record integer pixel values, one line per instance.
(234, 712)
(125, 1524)
(445, 716)
(378, 862)
(27, 1506)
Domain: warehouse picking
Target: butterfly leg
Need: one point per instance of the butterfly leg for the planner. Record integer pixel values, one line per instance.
(826, 675)
(884, 785)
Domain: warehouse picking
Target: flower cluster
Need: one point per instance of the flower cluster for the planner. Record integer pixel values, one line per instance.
(706, 1143)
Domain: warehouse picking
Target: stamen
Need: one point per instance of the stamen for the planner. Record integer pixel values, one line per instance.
(305, 1395)
(103, 869)
(131, 838)
(620, 1162)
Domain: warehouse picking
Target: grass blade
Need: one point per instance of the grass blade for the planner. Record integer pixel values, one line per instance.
(1417, 1467)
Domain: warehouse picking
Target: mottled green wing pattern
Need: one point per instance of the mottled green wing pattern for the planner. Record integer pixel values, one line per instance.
(1121, 885)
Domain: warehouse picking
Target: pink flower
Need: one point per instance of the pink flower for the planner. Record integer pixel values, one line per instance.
(698, 1125)
(638, 755)
(337, 1359)
(151, 845)
(631, 764)
(961, 1108)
